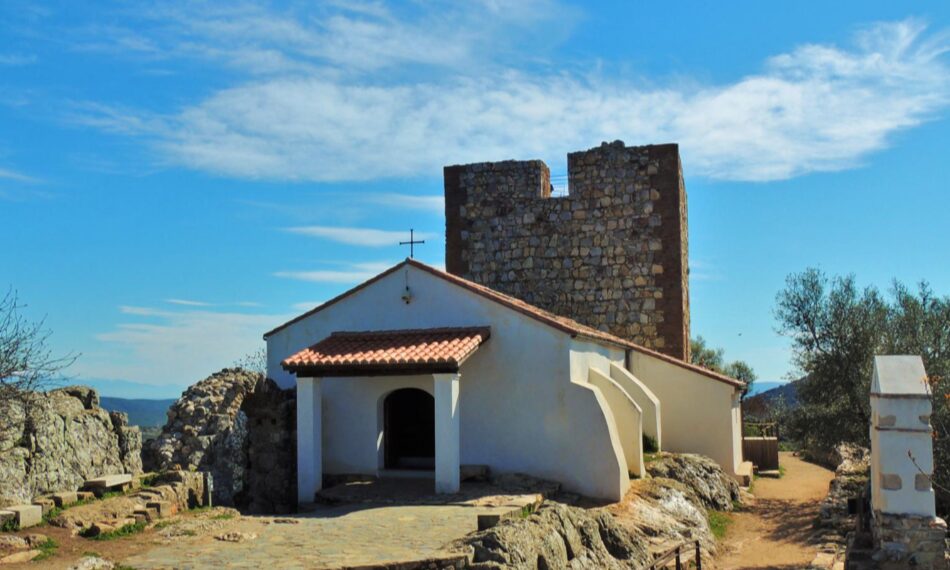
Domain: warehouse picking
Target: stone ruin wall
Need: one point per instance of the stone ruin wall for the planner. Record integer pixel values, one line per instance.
(611, 255)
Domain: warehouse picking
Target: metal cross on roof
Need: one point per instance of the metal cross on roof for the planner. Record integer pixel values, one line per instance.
(412, 243)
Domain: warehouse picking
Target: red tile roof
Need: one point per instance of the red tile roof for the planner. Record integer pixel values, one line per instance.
(563, 324)
(388, 352)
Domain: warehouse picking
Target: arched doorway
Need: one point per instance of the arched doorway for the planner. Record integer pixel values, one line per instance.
(409, 429)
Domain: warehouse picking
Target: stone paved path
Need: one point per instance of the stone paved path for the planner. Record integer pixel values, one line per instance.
(331, 537)
(773, 533)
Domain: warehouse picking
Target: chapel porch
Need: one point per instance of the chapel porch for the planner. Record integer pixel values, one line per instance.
(419, 422)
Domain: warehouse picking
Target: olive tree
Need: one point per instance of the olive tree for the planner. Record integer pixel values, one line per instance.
(836, 329)
(714, 359)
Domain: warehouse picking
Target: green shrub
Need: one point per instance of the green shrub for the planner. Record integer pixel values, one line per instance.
(10, 525)
(47, 550)
(649, 444)
(718, 523)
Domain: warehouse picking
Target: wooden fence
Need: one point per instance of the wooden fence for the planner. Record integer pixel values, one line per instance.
(760, 445)
(678, 554)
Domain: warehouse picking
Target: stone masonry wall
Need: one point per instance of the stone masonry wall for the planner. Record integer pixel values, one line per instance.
(611, 255)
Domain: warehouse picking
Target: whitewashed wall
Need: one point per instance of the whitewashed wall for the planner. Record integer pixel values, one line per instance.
(520, 410)
(700, 414)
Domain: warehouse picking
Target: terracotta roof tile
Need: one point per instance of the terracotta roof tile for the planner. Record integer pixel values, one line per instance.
(382, 352)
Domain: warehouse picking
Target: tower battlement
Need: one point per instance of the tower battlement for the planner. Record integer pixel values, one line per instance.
(612, 254)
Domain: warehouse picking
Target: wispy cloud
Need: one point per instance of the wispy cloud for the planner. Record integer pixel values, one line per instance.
(16, 59)
(193, 303)
(187, 303)
(358, 236)
(815, 108)
(306, 305)
(176, 346)
(433, 204)
(701, 270)
(7, 174)
(355, 273)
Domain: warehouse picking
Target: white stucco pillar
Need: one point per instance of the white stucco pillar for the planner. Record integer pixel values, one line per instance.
(447, 432)
(309, 439)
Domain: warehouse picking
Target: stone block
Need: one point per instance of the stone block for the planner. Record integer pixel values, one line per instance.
(44, 503)
(109, 482)
(85, 495)
(164, 508)
(65, 498)
(27, 515)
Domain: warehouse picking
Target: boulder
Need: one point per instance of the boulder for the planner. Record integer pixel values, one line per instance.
(702, 475)
(556, 536)
(59, 441)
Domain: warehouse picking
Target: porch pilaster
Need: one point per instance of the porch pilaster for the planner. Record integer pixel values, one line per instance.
(447, 433)
(309, 439)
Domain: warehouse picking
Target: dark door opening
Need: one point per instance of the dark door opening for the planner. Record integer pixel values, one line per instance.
(409, 429)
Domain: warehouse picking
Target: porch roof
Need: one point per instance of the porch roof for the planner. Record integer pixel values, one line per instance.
(393, 352)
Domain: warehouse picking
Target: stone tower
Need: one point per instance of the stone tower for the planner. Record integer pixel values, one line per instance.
(612, 254)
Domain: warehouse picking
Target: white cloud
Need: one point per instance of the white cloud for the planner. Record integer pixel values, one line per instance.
(15, 59)
(187, 303)
(316, 110)
(176, 346)
(7, 174)
(345, 37)
(352, 274)
(433, 204)
(193, 303)
(306, 305)
(358, 236)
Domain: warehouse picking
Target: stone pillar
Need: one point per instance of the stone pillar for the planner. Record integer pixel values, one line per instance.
(907, 533)
(447, 433)
(309, 439)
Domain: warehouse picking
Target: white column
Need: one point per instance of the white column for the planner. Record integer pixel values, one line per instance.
(309, 439)
(447, 453)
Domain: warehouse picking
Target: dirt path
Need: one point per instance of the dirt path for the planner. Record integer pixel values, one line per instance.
(773, 533)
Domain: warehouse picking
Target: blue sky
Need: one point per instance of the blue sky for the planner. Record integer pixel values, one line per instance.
(177, 178)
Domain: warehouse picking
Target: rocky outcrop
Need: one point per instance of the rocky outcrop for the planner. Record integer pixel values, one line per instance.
(702, 475)
(557, 536)
(238, 426)
(663, 513)
(61, 439)
(656, 514)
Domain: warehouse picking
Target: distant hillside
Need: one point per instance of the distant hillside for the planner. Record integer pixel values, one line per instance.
(144, 413)
(758, 387)
(759, 405)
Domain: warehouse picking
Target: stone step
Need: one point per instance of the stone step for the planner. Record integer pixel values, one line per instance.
(27, 515)
(164, 508)
(108, 483)
(45, 503)
(65, 498)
